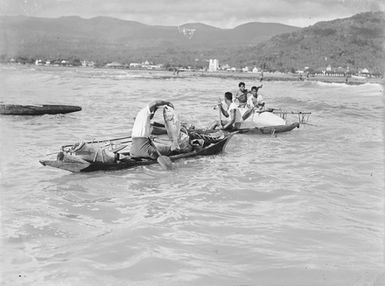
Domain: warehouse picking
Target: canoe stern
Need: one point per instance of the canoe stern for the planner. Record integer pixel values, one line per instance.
(67, 162)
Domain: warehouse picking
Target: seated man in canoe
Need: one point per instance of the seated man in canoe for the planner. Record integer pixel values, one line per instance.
(240, 97)
(255, 103)
(232, 111)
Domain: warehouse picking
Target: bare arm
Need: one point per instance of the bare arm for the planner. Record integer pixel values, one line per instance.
(232, 119)
(261, 105)
(224, 112)
(154, 105)
(248, 113)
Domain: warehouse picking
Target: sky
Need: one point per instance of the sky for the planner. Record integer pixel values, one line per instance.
(219, 13)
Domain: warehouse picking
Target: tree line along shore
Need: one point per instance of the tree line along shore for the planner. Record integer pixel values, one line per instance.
(167, 71)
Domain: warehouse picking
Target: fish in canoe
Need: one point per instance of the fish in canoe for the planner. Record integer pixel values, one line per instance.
(172, 125)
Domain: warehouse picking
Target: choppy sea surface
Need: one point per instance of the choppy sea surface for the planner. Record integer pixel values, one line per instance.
(301, 208)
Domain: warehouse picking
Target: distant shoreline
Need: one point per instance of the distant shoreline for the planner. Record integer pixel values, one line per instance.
(267, 76)
(256, 77)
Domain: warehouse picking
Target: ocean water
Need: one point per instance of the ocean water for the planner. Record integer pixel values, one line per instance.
(301, 208)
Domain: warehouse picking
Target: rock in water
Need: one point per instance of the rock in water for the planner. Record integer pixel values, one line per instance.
(172, 124)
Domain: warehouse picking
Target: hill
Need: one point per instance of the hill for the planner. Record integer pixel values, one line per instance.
(354, 42)
(109, 39)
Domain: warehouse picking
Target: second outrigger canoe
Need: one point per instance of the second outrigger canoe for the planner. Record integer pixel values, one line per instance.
(69, 162)
(158, 129)
(17, 109)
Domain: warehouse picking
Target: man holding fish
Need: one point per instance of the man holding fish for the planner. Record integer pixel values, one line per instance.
(142, 146)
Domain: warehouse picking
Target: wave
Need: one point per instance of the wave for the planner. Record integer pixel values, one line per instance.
(341, 84)
(331, 84)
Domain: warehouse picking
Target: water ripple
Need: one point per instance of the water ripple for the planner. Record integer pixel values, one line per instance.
(309, 200)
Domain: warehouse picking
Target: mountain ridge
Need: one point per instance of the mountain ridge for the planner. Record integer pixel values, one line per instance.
(355, 42)
(351, 42)
(101, 36)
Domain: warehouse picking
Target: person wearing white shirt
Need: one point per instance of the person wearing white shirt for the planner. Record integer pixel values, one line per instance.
(232, 112)
(141, 146)
(255, 102)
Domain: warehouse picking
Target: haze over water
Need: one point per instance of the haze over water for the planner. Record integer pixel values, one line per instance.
(302, 208)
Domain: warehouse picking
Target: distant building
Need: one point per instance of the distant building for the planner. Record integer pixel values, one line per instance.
(156, 67)
(225, 67)
(87, 63)
(245, 69)
(255, 70)
(213, 65)
(146, 65)
(364, 71)
(328, 71)
(114, 65)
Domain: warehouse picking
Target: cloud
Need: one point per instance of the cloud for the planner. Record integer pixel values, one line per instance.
(222, 13)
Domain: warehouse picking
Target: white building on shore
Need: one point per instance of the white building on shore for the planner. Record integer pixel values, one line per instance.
(213, 65)
(245, 69)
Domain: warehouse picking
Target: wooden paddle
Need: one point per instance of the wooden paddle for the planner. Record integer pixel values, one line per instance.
(163, 160)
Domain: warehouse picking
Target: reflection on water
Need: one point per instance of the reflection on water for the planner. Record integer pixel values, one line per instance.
(293, 209)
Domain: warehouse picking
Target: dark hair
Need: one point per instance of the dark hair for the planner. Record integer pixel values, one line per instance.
(256, 88)
(229, 95)
(241, 83)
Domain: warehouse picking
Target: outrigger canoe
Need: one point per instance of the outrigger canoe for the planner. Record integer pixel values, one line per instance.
(158, 129)
(16, 109)
(66, 160)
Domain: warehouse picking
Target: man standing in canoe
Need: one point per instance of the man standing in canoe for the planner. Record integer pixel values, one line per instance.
(142, 146)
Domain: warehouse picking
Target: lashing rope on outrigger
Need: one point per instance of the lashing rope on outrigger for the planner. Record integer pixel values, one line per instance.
(303, 117)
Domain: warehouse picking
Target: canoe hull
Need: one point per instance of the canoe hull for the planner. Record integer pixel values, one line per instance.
(15, 109)
(74, 164)
(250, 129)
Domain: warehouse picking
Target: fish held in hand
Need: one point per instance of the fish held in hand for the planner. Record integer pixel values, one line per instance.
(172, 124)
